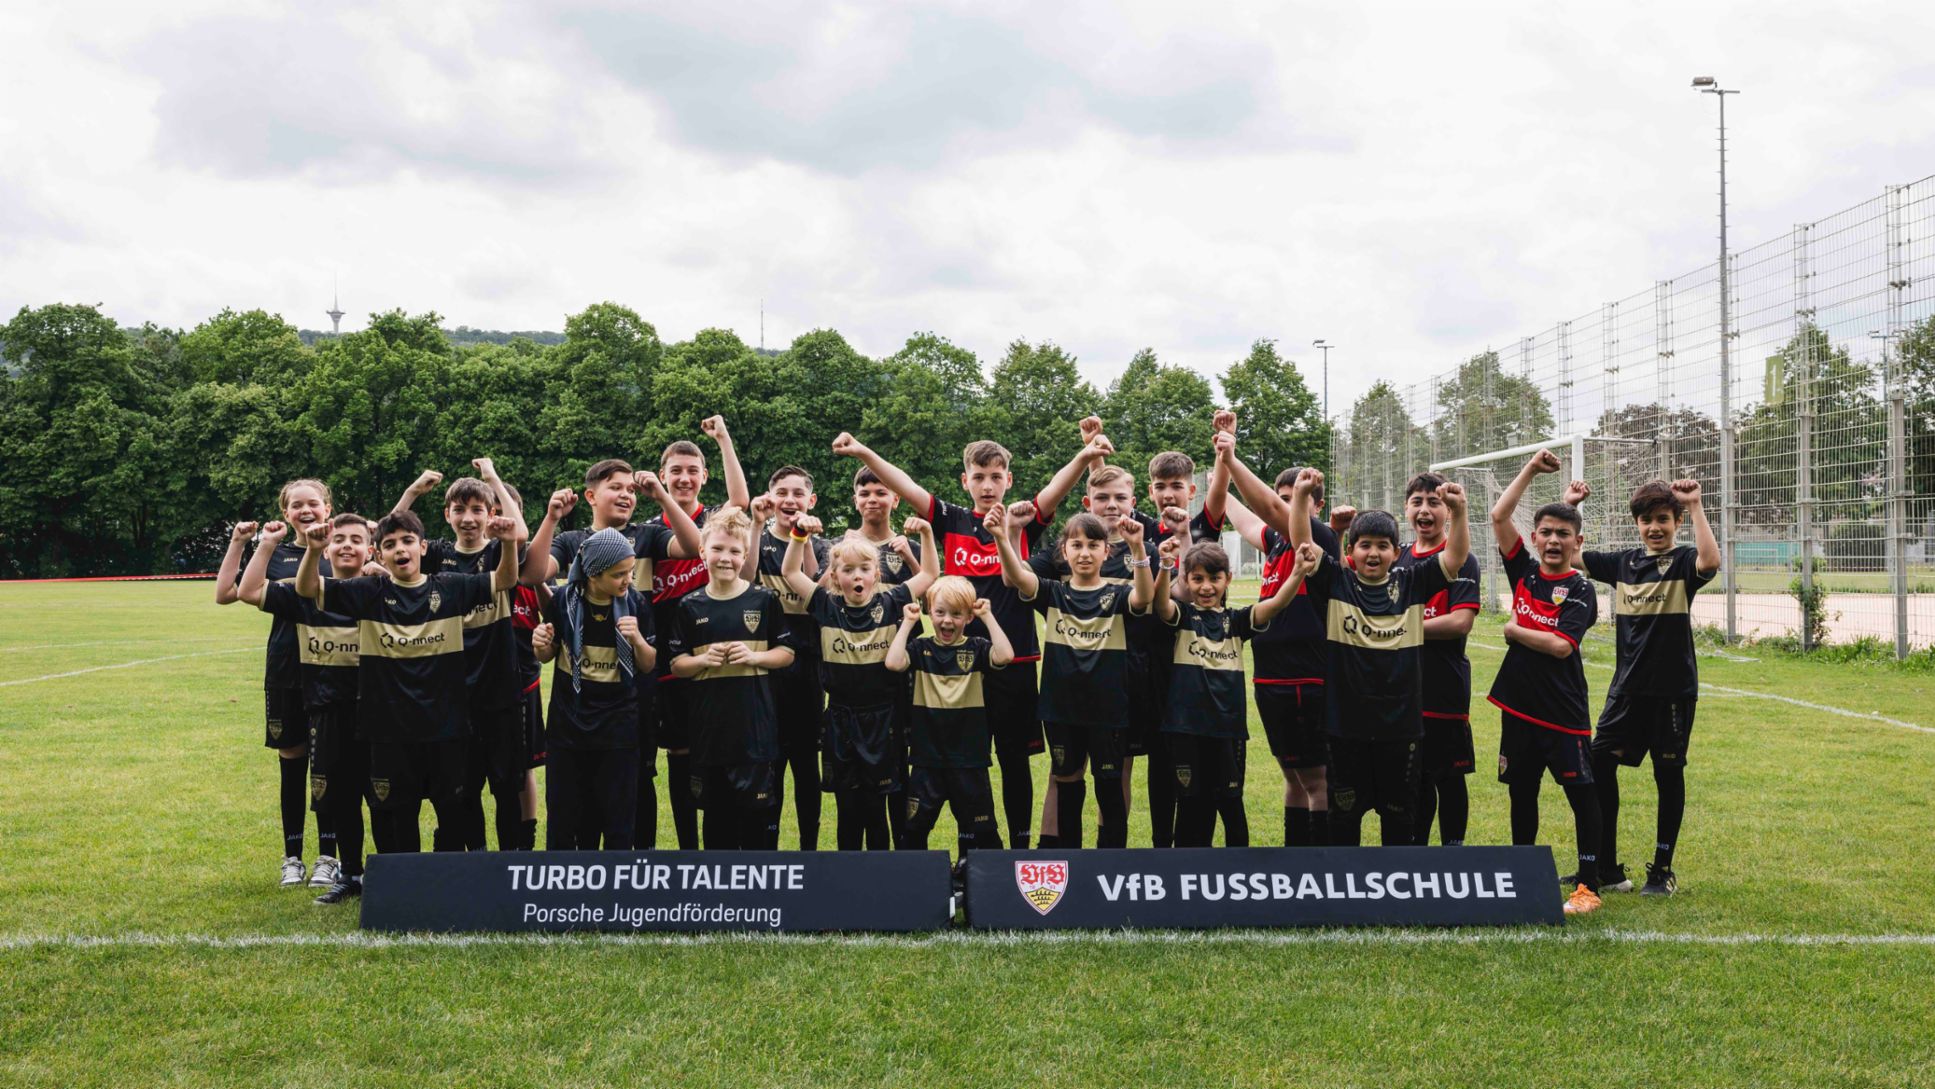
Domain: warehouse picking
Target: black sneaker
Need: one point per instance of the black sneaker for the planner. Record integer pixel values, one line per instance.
(347, 889)
(1613, 878)
(1660, 881)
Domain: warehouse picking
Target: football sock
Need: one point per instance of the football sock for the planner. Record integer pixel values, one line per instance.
(1017, 797)
(1524, 794)
(295, 802)
(1195, 821)
(1236, 822)
(1346, 826)
(1427, 807)
(722, 828)
(1394, 828)
(1320, 828)
(1112, 820)
(510, 820)
(326, 843)
(1069, 798)
(1454, 810)
(761, 830)
(1045, 841)
(896, 818)
(1585, 821)
(1296, 826)
(1672, 786)
(527, 834)
(349, 832)
(1161, 788)
(645, 823)
(806, 797)
(685, 812)
(1605, 783)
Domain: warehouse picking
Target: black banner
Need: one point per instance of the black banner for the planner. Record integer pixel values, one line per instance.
(627, 891)
(1263, 887)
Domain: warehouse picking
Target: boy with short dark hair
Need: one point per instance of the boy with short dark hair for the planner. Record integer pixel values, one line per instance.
(598, 628)
(1448, 616)
(1373, 622)
(796, 689)
(875, 503)
(412, 677)
(326, 648)
(1656, 683)
(1540, 690)
(969, 549)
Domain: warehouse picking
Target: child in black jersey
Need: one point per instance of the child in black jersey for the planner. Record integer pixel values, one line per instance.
(1656, 683)
(326, 649)
(598, 627)
(304, 503)
(875, 502)
(948, 729)
(797, 694)
(1540, 690)
(727, 639)
(1206, 717)
(1084, 701)
(1448, 755)
(862, 741)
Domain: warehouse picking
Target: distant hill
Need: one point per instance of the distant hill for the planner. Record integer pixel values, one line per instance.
(464, 334)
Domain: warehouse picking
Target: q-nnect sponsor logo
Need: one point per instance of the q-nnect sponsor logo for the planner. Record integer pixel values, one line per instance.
(1214, 653)
(319, 645)
(1352, 626)
(843, 645)
(1075, 633)
(393, 641)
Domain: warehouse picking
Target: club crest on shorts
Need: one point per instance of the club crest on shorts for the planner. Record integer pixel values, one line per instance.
(1042, 883)
(380, 788)
(1559, 595)
(318, 785)
(1345, 799)
(1183, 776)
(751, 617)
(436, 599)
(964, 660)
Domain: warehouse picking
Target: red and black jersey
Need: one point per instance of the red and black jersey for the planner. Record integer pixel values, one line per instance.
(526, 615)
(968, 549)
(672, 579)
(1292, 650)
(1375, 637)
(1447, 672)
(1653, 614)
(1543, 690)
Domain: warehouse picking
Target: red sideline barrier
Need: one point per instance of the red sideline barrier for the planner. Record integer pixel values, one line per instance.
(113, 578)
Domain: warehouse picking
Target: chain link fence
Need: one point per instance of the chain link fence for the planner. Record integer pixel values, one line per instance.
(1828, 417)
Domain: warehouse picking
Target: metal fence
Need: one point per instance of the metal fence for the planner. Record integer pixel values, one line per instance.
(1829, 413)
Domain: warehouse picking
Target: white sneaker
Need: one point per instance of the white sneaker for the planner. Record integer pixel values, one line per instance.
(328, 872)
(292, 871)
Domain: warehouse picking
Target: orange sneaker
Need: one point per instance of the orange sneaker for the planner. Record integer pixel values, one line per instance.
(1583, 901)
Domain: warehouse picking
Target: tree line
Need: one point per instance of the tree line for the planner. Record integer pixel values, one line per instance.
(130, 451)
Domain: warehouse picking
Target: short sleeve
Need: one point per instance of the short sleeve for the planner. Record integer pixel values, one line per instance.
(898, 598)
(1323, 581)
(1048, 593)
(280, 599)
(1463, 592)
(820, 607)
(1518, 561)
(1325, 537)
(1201, 530)
(1689, 560)
(554, 612)
(1602, 566)
(650, 541)
(773, 625)
(1423, 581)
(471, 590)
(1043, 565)
(1580, 611)
(681, 634)
(355, 598)
(564, 549)
(641, 608)
(983, 653)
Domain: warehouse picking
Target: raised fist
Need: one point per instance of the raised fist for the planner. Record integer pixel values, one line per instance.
(1223, 422)
(763, 507)
(317, 535)
(1453, 493)
(1091, 426)
(996, 520)
(1177, 519)
(1687, 491)
(647, 484)
(541, 637)
(244, 530)
(1131, 530)
(1577, 492)
(426, 480)
(1310, 480)
(715, 428)
(486, 468)
(1022, 511)
(915, 525)
(500, 528)
(627, 627)
(1545, 461)
(561, 502)
(806, 523)
(982, 610)
(1098, 448)
(274, 532)
(1224, 443)
(1171, 551)
(910, 613)
(846, 445)
(1341, 518)
(1308, 557)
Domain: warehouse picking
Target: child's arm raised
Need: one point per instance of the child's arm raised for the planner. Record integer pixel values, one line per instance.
(930, 556)
(255, 578)
(309, 582)
(1298, 531)
(737, 493)
(507, 504)
(897, 659)
(420, 487)
(503, 530)
(1142, 589)
(1309, 556)
(1222, 423)
(1091, 456)
(1503, 531)
(1165, 599)
(1707, 559)
(1001, 653)
(1458, 534)
(1014, 570)
(685, 532)
(231, 569)
(893, 476)
(1262, 499)
(539, 565)
(792, 567)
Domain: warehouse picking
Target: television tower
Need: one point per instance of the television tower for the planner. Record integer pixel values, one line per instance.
(335, 313)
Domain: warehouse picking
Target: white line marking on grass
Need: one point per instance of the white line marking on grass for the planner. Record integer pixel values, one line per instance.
(1869, 716)
(172, 641)
(1369, 937)
(124, 665)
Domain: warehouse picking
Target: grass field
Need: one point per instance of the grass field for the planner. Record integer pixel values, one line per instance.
(142, 940)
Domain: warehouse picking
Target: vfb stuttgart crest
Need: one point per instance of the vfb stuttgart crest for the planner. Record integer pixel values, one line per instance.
(751, 617)
(1663, 562)
(879, 612)
(1558, 595)
(436, 600)
(1042, 883)
(964, 660)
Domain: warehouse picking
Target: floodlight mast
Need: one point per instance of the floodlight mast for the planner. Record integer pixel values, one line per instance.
(1710, 86)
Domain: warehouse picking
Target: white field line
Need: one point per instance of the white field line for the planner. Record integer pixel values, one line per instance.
(126, 665)
(170, 640)
(1366, 938)
(1868, 716)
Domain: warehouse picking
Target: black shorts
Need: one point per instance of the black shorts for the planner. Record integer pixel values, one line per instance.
(335, 753)
(1207, 767)
(1632, 726)
(861, 749)
(1071, 745)
(1526, 750)
(1375, 775)
(674, 732)
(1013, 709)
(405, 774)
(591, 799)
(285, 720)
(967, 790)
(534, 739)
(736, 786)
(499, 750)
(1293, 720)
(798, 701)
(1447, 746)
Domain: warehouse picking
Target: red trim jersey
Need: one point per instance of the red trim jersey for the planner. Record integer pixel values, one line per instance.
(1292, 650)
(968, 549)
(1543, 690)
(1447, 672)
(672, 579)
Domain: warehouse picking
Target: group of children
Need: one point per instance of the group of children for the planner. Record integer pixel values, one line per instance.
(751, 648)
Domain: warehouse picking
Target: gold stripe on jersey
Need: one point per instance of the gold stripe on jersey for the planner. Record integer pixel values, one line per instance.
(789, 602)
(1095, 633)
(1353, 627)
(601, 664)
(714, 673)
(490, 612)
(1664, 598)
(1195, 650)
(378, 639)
(948, 692)
(856, 648)
(327, 646)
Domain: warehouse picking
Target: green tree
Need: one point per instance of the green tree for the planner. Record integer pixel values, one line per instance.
(1152, 407)
(1848, 436)
(372, 409)
(1279, 422)
(250, 347)
(1384, 448)
(1036, 401)
(1916, 358)
(1482, 408)
(933, 402)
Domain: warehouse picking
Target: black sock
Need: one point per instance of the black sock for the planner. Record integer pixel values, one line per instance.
(1585, 822)
(1320, 828)
(326, 842)
(1605, 783)
(1160, 784)
(645, 813)
(406, 830)
(806, 797)
(527, 834)
(1112, 822)
(896, 819)
(1427, 806)
(1296, 826)
(761, 830)
(295, 802)
(685, 812)
(873, 821)
(1671, 779)
(849, 825)
(1017, 796)
(1454, 809)
(1069, 798)
(349, 831)
(1524, 795)
(1046, 841)
(1236, 821)
(508, 812)
(1195, 821)
(1347, 827)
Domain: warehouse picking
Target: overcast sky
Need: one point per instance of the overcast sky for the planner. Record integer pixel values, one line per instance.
(1414, 182)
